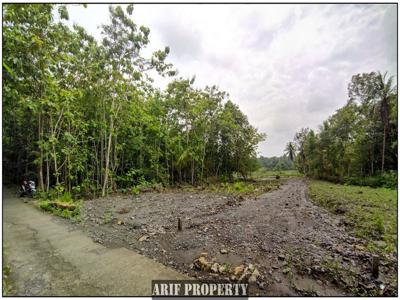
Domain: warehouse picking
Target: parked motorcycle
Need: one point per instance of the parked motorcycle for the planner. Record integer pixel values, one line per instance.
(27, 188)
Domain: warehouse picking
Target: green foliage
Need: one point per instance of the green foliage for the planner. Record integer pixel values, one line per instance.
(238, 188)
(61, 205)
(274, 163)
(370, 212)
(358, 144)
(6, 280)
(84, 116)
(387, 180)
(264, 173)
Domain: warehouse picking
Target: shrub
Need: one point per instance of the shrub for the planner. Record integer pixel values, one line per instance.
(387, 180)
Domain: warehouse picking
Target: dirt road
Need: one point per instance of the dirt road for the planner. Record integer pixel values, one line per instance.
(49, 256)
(297, 247)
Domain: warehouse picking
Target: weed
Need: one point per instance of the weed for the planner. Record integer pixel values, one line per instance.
(107, 217)
(371, 211)
(6, 280)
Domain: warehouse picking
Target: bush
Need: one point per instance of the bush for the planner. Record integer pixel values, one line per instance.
(59, 204)
(387, 180)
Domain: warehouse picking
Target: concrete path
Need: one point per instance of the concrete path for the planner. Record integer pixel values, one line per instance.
(48, 258)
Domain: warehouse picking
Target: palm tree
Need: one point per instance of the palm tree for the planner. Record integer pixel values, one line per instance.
(290, 150)
(386, 91)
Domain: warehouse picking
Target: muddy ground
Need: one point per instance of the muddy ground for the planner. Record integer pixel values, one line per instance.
(280, 242)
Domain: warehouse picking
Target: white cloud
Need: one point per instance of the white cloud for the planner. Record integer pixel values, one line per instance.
(286, 66)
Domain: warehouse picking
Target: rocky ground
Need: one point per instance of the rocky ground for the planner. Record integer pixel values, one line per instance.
(279, 242)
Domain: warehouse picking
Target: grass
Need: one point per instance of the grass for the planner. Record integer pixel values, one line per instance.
(371, 213)
(246, 188)
(263, 173)
(63, 206)
(6, 280)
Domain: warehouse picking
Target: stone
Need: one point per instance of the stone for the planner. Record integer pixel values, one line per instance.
(359, 247)
(222, 269)
(380, 244)
(281, 257)
(238, 270)
(215, 267)
(201, 263)
(252, 279)
(261, 285)
(251, 267)
(286, 270)
(143, 238)
(256, 273)
(223, 251)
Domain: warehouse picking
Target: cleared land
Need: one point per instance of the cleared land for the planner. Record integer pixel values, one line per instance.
(296, 247)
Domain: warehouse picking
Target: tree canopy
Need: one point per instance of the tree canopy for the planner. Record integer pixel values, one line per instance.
(360, 139)
(84, 115)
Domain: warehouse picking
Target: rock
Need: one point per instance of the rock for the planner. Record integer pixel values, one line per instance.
(359, 247)
(281, 257)
(245, 275)
(203, 254)
(286, 270)
(143, 238)
(223, 251)
(215, 267)
(340, 210)
(222, 269)
(277, 279)
(233, 278)
(380, 244)
(251, 267)
(120, 222)
(252, 279)
(201, 263)
(275, 267)
(238, 270)
(256, 273)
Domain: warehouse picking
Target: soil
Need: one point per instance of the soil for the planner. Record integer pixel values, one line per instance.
(297, 247)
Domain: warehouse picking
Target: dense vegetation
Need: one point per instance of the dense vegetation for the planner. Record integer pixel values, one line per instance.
(282, 163)
(84, 116)
(358, 144)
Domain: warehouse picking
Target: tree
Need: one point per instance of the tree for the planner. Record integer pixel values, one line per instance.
(84, 116)
(374, 92)
(290, 150)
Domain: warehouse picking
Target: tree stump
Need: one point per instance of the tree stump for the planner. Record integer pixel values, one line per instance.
(179, 224)
(375, 266)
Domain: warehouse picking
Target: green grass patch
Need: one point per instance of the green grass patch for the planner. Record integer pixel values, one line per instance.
(371, 213)
(6, 280)
(250, 188)
(63, 206)
(264, 173)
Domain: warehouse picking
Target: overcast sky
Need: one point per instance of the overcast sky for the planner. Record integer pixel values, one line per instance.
(286, 66)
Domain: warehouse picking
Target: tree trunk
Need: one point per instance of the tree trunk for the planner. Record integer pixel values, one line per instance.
(40, 171)
(47, 173)
(105, 183)
(383, 148)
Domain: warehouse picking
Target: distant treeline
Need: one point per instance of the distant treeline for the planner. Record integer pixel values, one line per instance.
(281, 163)
(357, 144)
(84, 116)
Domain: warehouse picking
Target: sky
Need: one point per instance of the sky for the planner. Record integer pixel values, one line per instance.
(286, 66)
